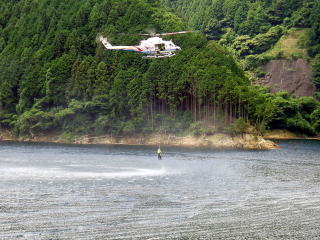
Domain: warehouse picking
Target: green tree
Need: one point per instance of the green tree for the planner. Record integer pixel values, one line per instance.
(57, 78)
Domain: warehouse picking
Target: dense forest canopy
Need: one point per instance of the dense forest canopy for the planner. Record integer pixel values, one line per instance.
(55, 77)
(245, 17)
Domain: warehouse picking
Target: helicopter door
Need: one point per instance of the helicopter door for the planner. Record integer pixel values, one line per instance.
(160, 47)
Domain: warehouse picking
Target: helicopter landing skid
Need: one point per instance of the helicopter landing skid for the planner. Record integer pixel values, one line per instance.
(158, 56)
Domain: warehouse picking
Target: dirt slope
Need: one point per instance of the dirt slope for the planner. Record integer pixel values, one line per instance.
(293, 76)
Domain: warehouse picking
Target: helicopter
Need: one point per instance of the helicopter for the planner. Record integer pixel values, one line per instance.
(153, 47)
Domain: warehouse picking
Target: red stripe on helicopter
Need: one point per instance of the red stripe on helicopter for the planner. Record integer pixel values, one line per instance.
(139, 49)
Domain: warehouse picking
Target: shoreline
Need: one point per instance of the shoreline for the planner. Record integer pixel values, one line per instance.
(280, 134)
(216, 141)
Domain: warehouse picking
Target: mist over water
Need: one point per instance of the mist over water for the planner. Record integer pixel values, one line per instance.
(50, 191)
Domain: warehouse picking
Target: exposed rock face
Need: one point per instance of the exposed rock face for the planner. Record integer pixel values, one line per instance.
(6, 135)
(295, 77)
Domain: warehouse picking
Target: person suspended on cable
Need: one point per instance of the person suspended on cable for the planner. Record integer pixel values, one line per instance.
(159, 153)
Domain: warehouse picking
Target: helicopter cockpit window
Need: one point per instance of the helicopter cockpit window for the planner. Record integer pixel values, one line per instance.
(160, 47)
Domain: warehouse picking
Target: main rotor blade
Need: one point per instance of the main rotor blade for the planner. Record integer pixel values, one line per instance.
(174, 33)
(145, 34)
(163, 34)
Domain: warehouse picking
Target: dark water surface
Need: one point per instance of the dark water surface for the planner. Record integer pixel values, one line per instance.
(123, 192)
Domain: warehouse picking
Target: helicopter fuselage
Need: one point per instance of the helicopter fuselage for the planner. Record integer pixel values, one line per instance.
(154, 47)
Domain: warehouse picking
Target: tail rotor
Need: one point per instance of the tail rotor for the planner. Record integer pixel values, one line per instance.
(103, 40)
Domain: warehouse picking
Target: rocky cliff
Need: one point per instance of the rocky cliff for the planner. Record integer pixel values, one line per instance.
(293, 76)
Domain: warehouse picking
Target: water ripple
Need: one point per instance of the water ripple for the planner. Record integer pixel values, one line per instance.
(91, 192)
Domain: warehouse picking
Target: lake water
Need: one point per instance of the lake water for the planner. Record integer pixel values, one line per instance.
(55, 192)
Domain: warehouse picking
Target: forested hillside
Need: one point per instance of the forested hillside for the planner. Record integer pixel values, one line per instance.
(257, 32)
(54, 77)
(243, 16)
(250, 28)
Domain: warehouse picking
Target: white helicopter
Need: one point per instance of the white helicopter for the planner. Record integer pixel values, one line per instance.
(153, 47)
